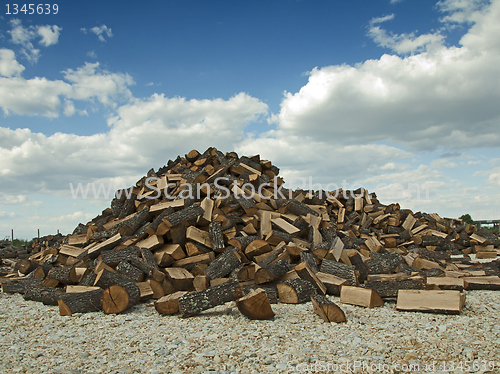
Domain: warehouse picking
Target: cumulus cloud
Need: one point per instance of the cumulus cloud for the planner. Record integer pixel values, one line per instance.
(445, 97)
(9, 67)
(101, 31)
(49, 34)
(24, 36)
(43, 97)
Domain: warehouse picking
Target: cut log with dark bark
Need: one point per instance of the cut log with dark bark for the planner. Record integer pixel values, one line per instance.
(182, 215)
(25, 266)
(169, 304)
(224, 264)
(295, 291)
(430, 301)
(304, 271)
(114, 256)
(80, 302)
(327, 309)
(45, 295)
(255, 305)
(299, 208)
(388, 285)
(271, 272)
(384, 263)
(63, 274)
(181, 279)
(340, 270)
(356, 260)
(118, 298)
(216, 237)
(331, 282)
(491, 282)
(311, 260)
(196, 302)
(365, 297)
(106, 278)
(241, 242)
(248, 205)
(190, 262)
(130, 271)
(256, 248)
(201, 282)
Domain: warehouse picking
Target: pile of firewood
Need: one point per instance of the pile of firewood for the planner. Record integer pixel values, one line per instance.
(210, 228)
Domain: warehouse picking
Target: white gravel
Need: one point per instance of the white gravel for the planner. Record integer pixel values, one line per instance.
(35, 339)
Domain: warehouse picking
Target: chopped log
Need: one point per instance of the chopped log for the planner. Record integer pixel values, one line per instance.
(257, 247)
(80, 302)
(145, 291)
(255, 305)
(224, 264)
(447, 283)
(196, 302)
(130, 271)
(169, 304)
(331, 282)
(285, 226)
(106, 278)
(365, 297)
(279, 253)
(483, 283)
(275, 237)
(182, 215)
(271, 272)
(248, 205)
(25, 266)
(299, 208)
(151, 242)
(216, 237)
(198, 236)
(190, 262)
(389, 285)
(79, 289)
(20, 285)
(335, 249)
(217, 281)
(340, 270)
(201, 282)
(327, 309)
(384, 263)
(310, 259)
(63, 274)
(431, 301)
(356, 260)
(295, 291)
(241, 242)
(118, 298)
(181, 279)
(168, 253)
(422, 263)
(304, 271)
(114, 256)
(45, 295)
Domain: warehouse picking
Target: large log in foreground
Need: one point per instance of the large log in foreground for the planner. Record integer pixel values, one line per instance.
(197, 302)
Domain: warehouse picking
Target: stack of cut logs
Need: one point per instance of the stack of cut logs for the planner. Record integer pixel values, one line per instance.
(211, 228)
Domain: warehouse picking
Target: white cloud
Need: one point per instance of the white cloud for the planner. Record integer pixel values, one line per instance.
(9, 67)
(7, 215)
(445, 97)
(101, 31)
(40, 96)
(49, 34)
(76, 216)
(24, 35)
(92, 54)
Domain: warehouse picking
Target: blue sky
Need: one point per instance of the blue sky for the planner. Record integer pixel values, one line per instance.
(374, 93)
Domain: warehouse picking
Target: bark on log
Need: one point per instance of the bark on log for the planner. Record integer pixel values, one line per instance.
(326, 309)
(271, 272)
(384, 263)
(255, 305)
(45, 295)
(340, 270)
(197, 302)
(82, 302)
(216, 236)
(224, 264)
(119, 298)
(295, 291)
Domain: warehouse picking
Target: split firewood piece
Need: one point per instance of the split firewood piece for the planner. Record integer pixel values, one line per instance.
(106, 278)
(199, 236)
(41, 271)
(216, 236)
(168, 253)
(483, 283)
(388, 285)
(241, 242)
(424, 264)
(151, 242)
(20, 285)
(145, 291)
(310, 259)
(271, 272)
(201, 282)
(180, 278)
(247, 271)
(445, 302)
(224, 264)
(295, 291)
(70, 250)
(157, 288)
(257, 247)
(331, 282)
(25, 266)
(285, 226)
(360, 296)
(80, 302)
(118, 298)
(255, 305)
(130, 271)
(327, 309)
(206, 218)
(196, 302)
(169, 304)
(335, 249)
(248, 205)
(105, 245)
(299, 208)
(190, 262)
(305, 272)
(157, 227)
(275, 237)
(340, 270)
(357, 261)
(446, 283)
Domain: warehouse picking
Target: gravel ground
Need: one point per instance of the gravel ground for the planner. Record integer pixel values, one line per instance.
(35, 339)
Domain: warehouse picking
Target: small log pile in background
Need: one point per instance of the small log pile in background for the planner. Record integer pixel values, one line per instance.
(193, 235)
